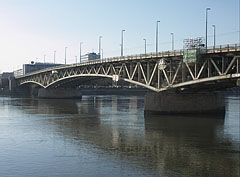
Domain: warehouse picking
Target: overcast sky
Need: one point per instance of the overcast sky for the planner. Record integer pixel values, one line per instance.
(30, 29)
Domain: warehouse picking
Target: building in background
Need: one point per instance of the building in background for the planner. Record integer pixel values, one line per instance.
(90, 57)
(28, 68)
(4, 79)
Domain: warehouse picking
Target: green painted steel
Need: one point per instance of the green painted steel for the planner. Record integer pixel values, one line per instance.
(191, 55)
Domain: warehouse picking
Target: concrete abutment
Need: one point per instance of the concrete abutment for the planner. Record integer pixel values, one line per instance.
(184, 103)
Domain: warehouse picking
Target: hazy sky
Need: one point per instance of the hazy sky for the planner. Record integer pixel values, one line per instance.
(30, 29)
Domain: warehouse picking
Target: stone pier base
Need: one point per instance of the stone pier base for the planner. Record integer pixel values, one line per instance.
(179, 104)
(59, 93)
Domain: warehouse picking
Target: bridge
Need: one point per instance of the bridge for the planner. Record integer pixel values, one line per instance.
(215, 68)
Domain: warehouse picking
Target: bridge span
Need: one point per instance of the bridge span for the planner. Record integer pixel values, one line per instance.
(216, 68)
(195, 70)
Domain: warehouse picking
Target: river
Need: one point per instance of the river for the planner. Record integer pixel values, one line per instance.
(109, 136)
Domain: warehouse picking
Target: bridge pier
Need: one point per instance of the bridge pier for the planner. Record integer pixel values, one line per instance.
(184, 103)
(59, 93)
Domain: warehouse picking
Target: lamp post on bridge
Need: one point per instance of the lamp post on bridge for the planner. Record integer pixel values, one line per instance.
(100, 37)
(65, 55)
(122, 42)
(238, 22)
(80, 52)
(172, 34)
(145, 46)
(54, 56)
(214, 35)
(157, 37)
(207, 9)
(102, 53)
(44, 58)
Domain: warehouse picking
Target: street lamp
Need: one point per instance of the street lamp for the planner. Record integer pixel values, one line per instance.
(102, 53)
(157, 36)
(172, 34)
(80, 53)
(214, 36)
(100, 37)
(44, 58)
(122, 43)
(207, 9)
(65, 55)
(54, 56)
(145, 46)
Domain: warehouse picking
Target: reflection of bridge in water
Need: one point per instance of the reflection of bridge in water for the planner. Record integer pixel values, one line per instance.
(161, 144)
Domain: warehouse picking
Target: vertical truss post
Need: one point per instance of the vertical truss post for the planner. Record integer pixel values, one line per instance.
(131, 69)
(195, 74)
(209, 68)
(184, 69)
(223, 64)
(159, 78)
(170, 75)
(124, 73)
(238, 65)
(139, 72)
(148, 71)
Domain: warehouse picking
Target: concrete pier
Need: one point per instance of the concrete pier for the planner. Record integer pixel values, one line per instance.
(184, 103)
(59, 93)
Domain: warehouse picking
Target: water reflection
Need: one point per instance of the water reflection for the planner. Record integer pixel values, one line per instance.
(114, 127)
(191, 146)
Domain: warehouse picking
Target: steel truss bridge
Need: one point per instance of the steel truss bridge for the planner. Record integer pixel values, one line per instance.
(214, 68)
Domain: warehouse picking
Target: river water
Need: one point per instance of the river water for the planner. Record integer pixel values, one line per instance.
(109, 136)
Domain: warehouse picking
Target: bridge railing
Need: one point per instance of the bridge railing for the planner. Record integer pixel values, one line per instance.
(143, 56)
(221, 48)
(210, 49)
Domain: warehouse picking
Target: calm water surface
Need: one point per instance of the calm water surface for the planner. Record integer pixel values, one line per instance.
(109, 136)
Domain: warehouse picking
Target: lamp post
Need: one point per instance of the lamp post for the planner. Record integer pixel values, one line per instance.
(122, 43)
(80, 52)
(54, 56)
(214, 35)
(44, 58)
(145, 46)
(102, 53)
(65, 55)
(157, 36)
(207, 9)
(172, 34)
(100, 37)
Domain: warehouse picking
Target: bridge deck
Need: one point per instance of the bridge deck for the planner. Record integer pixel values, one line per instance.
(156, 71)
